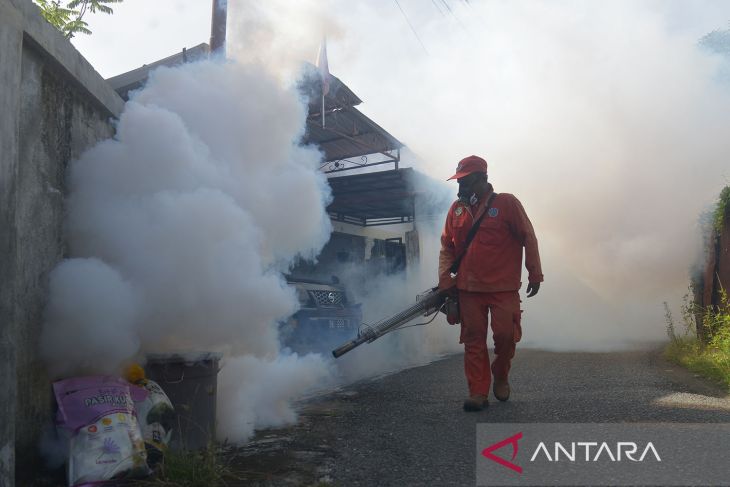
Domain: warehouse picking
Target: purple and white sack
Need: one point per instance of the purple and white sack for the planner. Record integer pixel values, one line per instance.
(96, 414)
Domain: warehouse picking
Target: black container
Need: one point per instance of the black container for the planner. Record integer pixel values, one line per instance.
(190, 380)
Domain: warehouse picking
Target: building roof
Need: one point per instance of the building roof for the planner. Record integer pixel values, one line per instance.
(347, 132)
(375, 198)
(132, 80)
(339, 95)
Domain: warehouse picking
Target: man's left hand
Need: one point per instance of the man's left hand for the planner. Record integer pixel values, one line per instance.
(532, 289)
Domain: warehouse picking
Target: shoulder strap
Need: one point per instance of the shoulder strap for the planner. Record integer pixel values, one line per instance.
(472, 232)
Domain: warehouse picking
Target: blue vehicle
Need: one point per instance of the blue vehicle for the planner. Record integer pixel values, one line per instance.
(326, 317)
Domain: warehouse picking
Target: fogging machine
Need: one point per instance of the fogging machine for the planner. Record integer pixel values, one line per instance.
(427, 303)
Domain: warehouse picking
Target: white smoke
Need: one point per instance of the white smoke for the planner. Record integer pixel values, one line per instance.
(280, 34)
(604, 118)
(258, 393)
(94, 312)
(180, 226)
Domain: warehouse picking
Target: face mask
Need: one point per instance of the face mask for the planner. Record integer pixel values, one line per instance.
(467, 195)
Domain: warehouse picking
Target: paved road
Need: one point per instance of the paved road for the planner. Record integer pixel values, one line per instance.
(409, 429)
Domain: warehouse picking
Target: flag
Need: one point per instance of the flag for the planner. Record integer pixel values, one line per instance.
(323, 67)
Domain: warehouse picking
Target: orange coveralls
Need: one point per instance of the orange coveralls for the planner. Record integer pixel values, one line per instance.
(488, 281)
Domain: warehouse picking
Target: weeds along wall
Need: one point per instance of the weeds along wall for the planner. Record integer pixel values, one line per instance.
(716, 275)
(53, 106)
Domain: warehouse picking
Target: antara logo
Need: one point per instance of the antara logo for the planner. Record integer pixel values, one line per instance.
(512, 440)
(593, 451)
(602, 450)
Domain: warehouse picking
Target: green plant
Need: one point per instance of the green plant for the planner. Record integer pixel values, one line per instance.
(717, 323)
(670, 323)
(688, 310)
(711, 360)
(186, 468)
(68, 18)
(723, 205)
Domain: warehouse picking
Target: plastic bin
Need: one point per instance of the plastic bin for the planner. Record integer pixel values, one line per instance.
(190, 380)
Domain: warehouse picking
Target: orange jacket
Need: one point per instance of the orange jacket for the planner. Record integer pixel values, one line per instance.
(494, 258)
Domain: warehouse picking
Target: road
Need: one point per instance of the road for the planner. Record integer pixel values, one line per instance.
(409, 429)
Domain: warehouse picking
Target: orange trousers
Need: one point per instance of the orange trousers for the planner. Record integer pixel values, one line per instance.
(504, 310)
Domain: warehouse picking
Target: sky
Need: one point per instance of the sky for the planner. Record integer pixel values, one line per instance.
(143, 31)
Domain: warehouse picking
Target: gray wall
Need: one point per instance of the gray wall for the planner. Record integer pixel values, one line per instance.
(53, 106)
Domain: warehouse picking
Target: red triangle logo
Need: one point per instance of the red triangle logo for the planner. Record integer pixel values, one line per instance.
(512, 440)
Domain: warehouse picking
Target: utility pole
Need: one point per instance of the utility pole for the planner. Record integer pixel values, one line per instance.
(218, 28)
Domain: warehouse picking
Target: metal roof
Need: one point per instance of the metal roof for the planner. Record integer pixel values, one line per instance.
(347, 132)
(339, 95)
(132, 80)
(375, 198)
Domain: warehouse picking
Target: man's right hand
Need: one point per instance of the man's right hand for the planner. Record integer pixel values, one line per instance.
(446, 282)
(447, 285)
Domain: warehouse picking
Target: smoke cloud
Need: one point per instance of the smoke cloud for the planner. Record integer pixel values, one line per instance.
(605, 119)
(181, 225)
(94, 312)
(258, 393)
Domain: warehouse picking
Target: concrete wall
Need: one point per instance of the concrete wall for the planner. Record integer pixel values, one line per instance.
(53, 106)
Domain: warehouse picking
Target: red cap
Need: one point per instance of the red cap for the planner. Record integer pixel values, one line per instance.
(469, 165)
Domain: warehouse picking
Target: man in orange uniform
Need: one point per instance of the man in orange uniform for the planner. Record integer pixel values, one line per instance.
(488, 278)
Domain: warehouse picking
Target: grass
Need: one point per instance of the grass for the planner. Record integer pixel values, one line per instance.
(205, 468)
(707, 362)
(711, 359)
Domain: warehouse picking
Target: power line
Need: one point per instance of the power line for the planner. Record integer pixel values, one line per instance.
(435, 4)
(411, 26)
(458, 21)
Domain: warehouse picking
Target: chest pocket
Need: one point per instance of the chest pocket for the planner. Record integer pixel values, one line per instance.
(492, 229)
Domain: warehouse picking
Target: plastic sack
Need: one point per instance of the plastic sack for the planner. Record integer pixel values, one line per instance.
(97, 415)
(156, 418)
